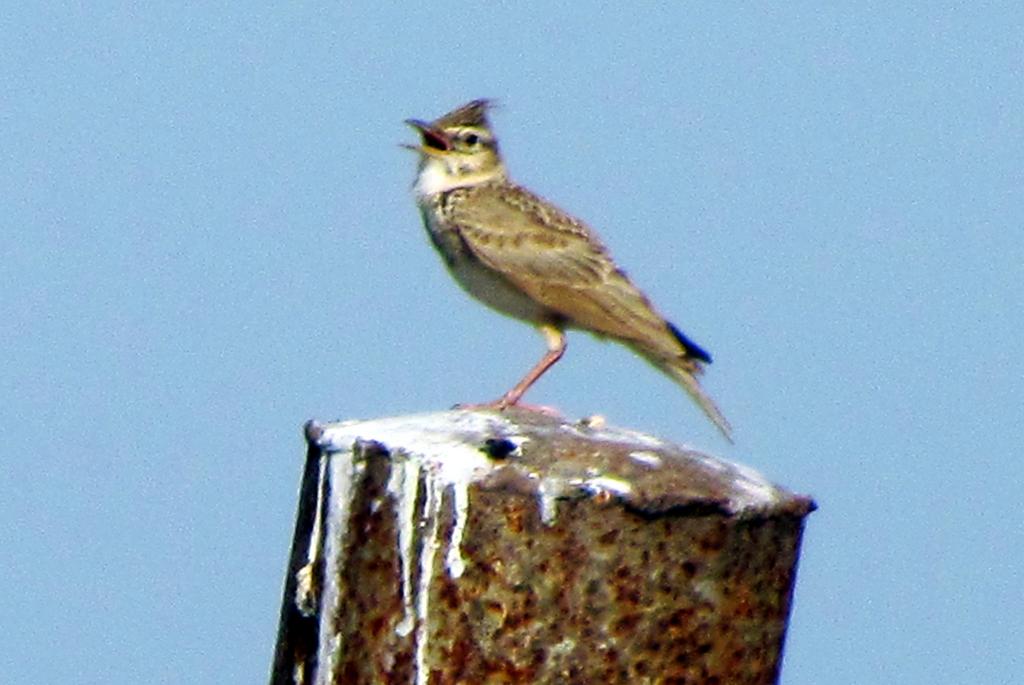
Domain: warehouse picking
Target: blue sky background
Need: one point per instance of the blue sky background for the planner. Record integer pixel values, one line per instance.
(207, 237)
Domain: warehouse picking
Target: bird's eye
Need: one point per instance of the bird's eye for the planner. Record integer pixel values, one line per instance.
(472, 139)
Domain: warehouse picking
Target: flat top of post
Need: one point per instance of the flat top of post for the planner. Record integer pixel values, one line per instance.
(551, 457)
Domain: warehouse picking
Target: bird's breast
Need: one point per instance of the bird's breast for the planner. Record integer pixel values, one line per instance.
(476, 278)
(497, 292)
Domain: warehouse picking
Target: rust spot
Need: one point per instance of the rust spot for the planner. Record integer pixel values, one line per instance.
(450, 595)
(379, 624)
(625, 625)
(714, 541)
(514, 519)
(679, 618)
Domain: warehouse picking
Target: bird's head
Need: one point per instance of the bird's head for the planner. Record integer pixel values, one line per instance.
(457, 150)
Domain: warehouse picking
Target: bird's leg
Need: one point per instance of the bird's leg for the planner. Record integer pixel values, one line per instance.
(556, 348)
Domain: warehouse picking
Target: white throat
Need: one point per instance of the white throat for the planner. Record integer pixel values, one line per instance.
(435, 177)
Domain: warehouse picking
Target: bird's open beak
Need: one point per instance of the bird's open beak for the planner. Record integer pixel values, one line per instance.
(434, 140)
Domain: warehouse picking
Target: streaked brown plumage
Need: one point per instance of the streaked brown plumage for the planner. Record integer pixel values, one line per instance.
(524, 257)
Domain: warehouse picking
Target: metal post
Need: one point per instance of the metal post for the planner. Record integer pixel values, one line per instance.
(478, 547)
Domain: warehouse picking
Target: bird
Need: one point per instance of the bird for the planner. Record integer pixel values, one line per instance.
(521, 255)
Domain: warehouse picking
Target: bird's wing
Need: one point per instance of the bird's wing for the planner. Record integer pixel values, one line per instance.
(557, 261)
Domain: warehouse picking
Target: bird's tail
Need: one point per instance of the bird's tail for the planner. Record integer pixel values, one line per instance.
(684, 371)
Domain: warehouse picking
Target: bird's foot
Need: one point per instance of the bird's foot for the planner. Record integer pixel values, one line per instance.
(503, 403)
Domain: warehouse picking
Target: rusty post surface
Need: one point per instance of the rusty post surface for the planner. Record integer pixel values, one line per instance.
(475, 547)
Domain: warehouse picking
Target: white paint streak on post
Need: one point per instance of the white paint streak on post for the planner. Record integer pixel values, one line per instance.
(340, 474)
(305, 590)
(403, 486)
(454, 562)
(431, 504)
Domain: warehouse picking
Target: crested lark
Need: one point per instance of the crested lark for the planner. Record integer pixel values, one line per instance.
(524, 257)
